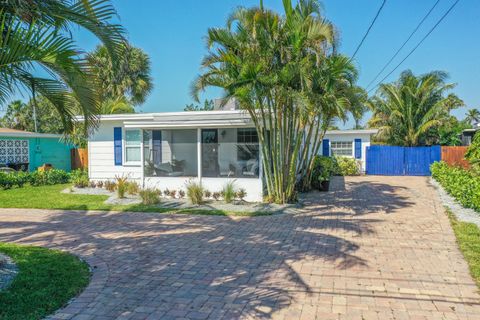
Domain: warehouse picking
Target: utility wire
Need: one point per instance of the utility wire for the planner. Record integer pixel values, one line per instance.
(369, 28)
(418, 45)
(403, 45)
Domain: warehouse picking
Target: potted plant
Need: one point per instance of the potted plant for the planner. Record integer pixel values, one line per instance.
(324, 179)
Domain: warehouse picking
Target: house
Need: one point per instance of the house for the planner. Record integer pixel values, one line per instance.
(166, 150)
(29, 150)
(467, 135)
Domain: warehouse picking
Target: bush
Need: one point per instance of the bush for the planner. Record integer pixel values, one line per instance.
(181, 194)
(216, 195)
(323, 169)
(229, 192)
(149, 196)
(207, 194)
(344, 166)
(122, 183)
(79, 178)
(132, 188)
(173, 193)
(8, 180)
(473, 153)
(110, 186)
(195, 192)
(166, 192)
(241, 194)
(462, 184)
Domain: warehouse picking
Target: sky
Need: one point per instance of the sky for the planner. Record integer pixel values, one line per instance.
(172, 34)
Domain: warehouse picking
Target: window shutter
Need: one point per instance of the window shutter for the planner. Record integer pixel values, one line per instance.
(358, 148)
(326, 147)
(117, 145)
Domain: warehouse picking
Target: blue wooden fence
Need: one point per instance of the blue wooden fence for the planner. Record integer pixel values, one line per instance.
(401, 161)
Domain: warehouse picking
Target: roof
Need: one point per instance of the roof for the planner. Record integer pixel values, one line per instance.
(7, 132)
(197, 119)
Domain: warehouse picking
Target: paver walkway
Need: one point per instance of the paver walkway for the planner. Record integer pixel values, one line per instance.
(380, 249)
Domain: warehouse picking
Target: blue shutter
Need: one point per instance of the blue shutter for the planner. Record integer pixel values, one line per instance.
(117, 145)
(358, 148)
(326, 147)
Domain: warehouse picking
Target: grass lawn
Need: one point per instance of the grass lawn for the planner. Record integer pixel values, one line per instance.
(468, 238)
(46, 281)
(50, 197)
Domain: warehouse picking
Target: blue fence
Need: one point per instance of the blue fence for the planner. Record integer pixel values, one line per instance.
(401, 161)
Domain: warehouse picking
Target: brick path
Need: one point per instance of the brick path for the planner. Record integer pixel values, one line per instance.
(380, 249)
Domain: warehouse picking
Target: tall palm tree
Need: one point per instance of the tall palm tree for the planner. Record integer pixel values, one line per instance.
(131, 79)
(284, 72)
(406, 110)
(35, 35)
(473, 116)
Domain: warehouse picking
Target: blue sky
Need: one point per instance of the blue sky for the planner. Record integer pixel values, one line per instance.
(172, 33)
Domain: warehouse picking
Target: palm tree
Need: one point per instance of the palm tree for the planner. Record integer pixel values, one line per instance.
(131, 79)
(36, 35)
(473, 116)
(406, 110)
(284, 72)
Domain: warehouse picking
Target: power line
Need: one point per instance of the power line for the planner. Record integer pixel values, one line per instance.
(418, 45)
(369, 28)
(403, 45)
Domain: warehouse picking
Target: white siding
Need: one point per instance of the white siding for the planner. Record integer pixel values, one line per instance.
(101, 161)
(351, 138)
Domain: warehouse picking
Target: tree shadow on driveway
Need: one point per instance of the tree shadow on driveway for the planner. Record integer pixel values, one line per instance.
(212, 266)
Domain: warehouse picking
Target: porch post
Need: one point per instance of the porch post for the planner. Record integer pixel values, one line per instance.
(199, 154)
(142, 156)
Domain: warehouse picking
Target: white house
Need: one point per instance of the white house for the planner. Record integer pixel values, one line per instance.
(166, 150)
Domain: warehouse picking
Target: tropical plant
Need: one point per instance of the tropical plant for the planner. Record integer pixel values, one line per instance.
(195, 192)
(406, 110)
(181, 194)
(79, 178)
(121, 186)
(36, 34)
(132, 187)
(448, 134)
(241, 194)
(285, 73)
(345, 166)
(216, 196)
(358, 99)
(149, 196)
(229, 192)
(130, 83)
(473, 153)
(208, 105)
(473, 116)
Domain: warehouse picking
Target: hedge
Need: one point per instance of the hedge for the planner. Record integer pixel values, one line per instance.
(462, 184)
(35, 178)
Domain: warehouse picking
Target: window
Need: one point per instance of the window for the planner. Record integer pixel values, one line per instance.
(247, 147)
(132, 146)
(342, 148)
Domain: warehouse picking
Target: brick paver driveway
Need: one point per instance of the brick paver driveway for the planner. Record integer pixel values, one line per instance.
(380, 249)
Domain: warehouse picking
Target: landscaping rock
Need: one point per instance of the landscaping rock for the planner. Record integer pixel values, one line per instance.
(462, 213)
(8, 271)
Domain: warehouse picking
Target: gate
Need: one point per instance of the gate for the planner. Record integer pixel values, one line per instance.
(401, 161)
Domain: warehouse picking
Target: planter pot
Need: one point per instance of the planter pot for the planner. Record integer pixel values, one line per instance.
(325, 185)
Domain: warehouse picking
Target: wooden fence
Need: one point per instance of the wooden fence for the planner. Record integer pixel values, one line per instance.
(79, 158)
(455, 156)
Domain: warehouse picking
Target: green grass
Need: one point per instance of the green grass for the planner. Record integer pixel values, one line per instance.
(51, 197)
(46, 281)
(468, 238)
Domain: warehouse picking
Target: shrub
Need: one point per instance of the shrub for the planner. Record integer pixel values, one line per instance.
(166, 193)
(207, 194)
(100, 184)
(228, 192)
(122, 183)
(216, 195)
(173, 193)
(323, 169)
(462, 184)
(473, 153)
(344, 166)
(195, 192)
(7, 180)
(132, 188)
(181, 194)
(241, 194)
(78, 177)
(93, 184)
(110, 186)
(149, 196)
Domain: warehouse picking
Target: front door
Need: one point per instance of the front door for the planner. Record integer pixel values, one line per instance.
(210, 167)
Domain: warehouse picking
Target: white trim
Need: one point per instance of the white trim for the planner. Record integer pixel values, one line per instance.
(199, 154)
(29, 135)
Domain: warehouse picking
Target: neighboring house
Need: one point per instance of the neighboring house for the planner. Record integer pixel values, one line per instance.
(32, 150)
(468, 134)
(166, 150)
